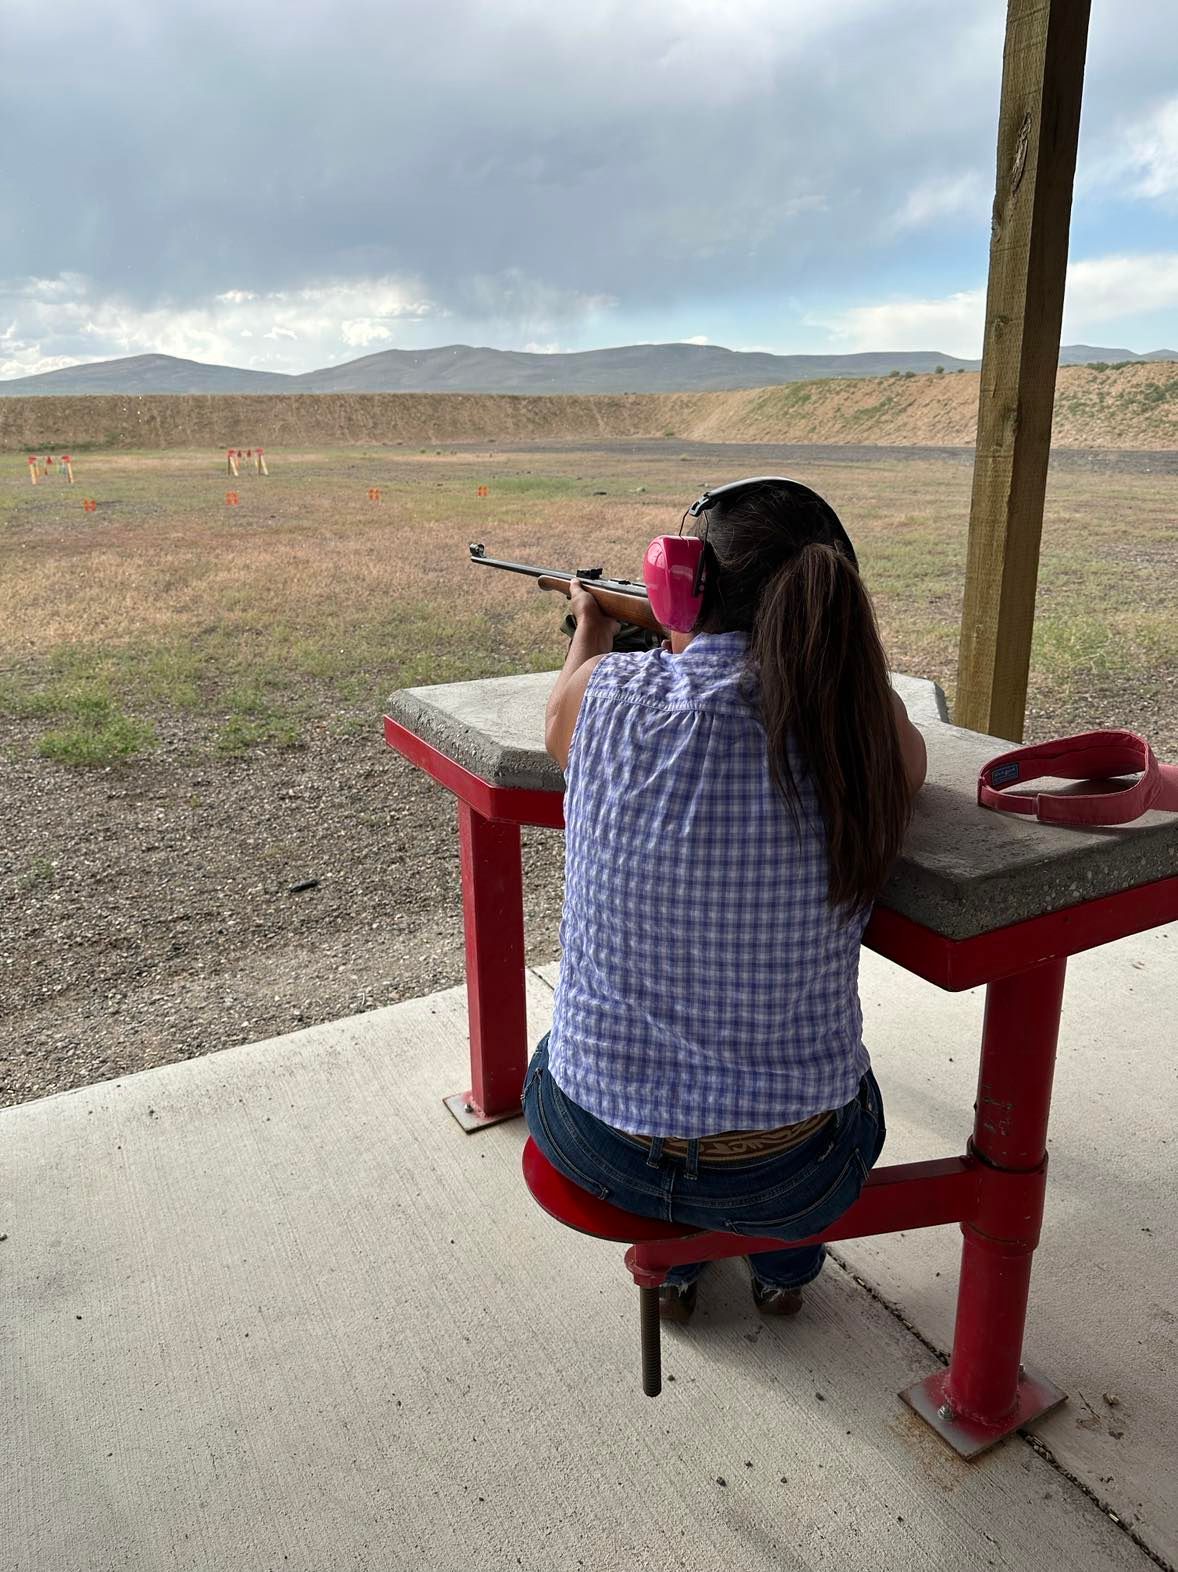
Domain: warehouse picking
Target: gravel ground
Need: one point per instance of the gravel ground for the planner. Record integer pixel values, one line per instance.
(755, 458)
(151, 914)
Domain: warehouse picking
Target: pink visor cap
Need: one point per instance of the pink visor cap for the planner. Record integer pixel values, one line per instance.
(1090, 756)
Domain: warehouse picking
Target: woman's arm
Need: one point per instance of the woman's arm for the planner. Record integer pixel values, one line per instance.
(911, 746)
(593, 638)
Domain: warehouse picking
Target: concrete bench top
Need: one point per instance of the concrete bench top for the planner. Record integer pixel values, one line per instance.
(964, 870)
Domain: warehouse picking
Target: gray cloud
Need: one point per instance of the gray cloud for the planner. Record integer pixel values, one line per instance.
(515, 161)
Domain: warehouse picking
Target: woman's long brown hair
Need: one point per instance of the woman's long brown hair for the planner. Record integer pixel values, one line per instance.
(777, 571)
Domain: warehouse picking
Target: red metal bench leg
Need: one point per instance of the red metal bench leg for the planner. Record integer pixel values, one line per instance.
(493, 920)
(986, 1393)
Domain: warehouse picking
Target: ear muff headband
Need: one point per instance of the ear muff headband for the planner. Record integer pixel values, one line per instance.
(728, 493)
(676, 566)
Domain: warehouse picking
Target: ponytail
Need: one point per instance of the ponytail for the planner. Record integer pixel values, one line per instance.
(824, 684)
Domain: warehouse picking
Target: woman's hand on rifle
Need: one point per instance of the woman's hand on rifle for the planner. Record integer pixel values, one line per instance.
(584, 604)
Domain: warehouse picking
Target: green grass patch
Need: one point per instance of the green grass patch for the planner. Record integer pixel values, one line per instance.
(1065, 644)
(106, 736)
(170, 677)
(774, 401)
(869, 412)
(1155, 393)
(249, 700)
(86, 700)
(38, 875)
(537, 486)
(241, 734)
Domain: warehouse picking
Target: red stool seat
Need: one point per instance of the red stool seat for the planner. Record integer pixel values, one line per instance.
(577, 1208)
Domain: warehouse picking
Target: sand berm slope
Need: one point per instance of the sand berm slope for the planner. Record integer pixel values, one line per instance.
(1131, 406)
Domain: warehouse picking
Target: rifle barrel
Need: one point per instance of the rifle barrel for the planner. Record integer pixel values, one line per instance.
(517, 567)
(589, 576)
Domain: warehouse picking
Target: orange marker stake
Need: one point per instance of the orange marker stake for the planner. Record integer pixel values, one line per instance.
(89, 504)
(483, 491)
(262, 470)
(33, 468)
(374, 493)
(69, 467)
(231, 499)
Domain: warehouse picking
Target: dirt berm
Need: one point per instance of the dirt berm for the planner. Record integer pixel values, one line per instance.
(1131, 406)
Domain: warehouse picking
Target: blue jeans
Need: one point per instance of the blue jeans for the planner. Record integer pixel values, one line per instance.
(790, 1195)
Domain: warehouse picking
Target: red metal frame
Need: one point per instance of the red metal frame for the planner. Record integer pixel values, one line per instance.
(493, 924)
(512, 804)
(1010, 1137)
(900, 1197)
(995, 1191)
(955, 964)
(489, 818)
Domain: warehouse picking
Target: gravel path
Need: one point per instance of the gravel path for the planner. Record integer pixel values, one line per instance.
(151, 914)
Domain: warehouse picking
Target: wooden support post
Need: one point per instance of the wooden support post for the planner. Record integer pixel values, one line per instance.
(262, 470)
(33, 468)
(1039, 122)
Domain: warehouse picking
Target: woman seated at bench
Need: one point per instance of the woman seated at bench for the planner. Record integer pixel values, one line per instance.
(734, 804)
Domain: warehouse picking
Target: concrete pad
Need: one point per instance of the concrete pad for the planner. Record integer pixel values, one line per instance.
(1103, 1315)
(494, 726)
(924, 700)
(271, 1308)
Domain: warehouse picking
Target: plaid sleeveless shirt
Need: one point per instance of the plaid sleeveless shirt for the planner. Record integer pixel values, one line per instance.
(706, 984)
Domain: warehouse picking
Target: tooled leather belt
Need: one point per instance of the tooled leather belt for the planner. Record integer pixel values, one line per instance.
(739, 1146)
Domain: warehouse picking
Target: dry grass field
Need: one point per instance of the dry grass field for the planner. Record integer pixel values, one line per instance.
(190, 697)
(305, 603)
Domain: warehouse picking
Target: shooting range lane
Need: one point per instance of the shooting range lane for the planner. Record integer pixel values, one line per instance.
(272, 1307)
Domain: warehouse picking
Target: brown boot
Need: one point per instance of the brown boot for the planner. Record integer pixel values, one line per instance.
(677, 1304)
(776, 1301)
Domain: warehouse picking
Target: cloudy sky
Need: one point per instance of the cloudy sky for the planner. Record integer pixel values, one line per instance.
(285, 185)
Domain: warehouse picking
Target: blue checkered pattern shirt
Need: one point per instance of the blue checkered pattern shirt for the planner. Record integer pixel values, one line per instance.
(706, 983)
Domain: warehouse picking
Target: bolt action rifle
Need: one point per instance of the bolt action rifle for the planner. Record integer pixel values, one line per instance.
(621, 599)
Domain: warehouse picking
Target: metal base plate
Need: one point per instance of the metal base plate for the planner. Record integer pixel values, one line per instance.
(471, 1117)
(968, 1438)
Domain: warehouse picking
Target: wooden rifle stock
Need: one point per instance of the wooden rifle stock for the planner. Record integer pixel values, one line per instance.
(621, 599)
(634, 609)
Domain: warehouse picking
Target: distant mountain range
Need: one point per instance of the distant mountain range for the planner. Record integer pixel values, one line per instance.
(458, 368)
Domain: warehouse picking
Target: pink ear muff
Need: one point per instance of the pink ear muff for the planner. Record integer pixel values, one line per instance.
(671, 573)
